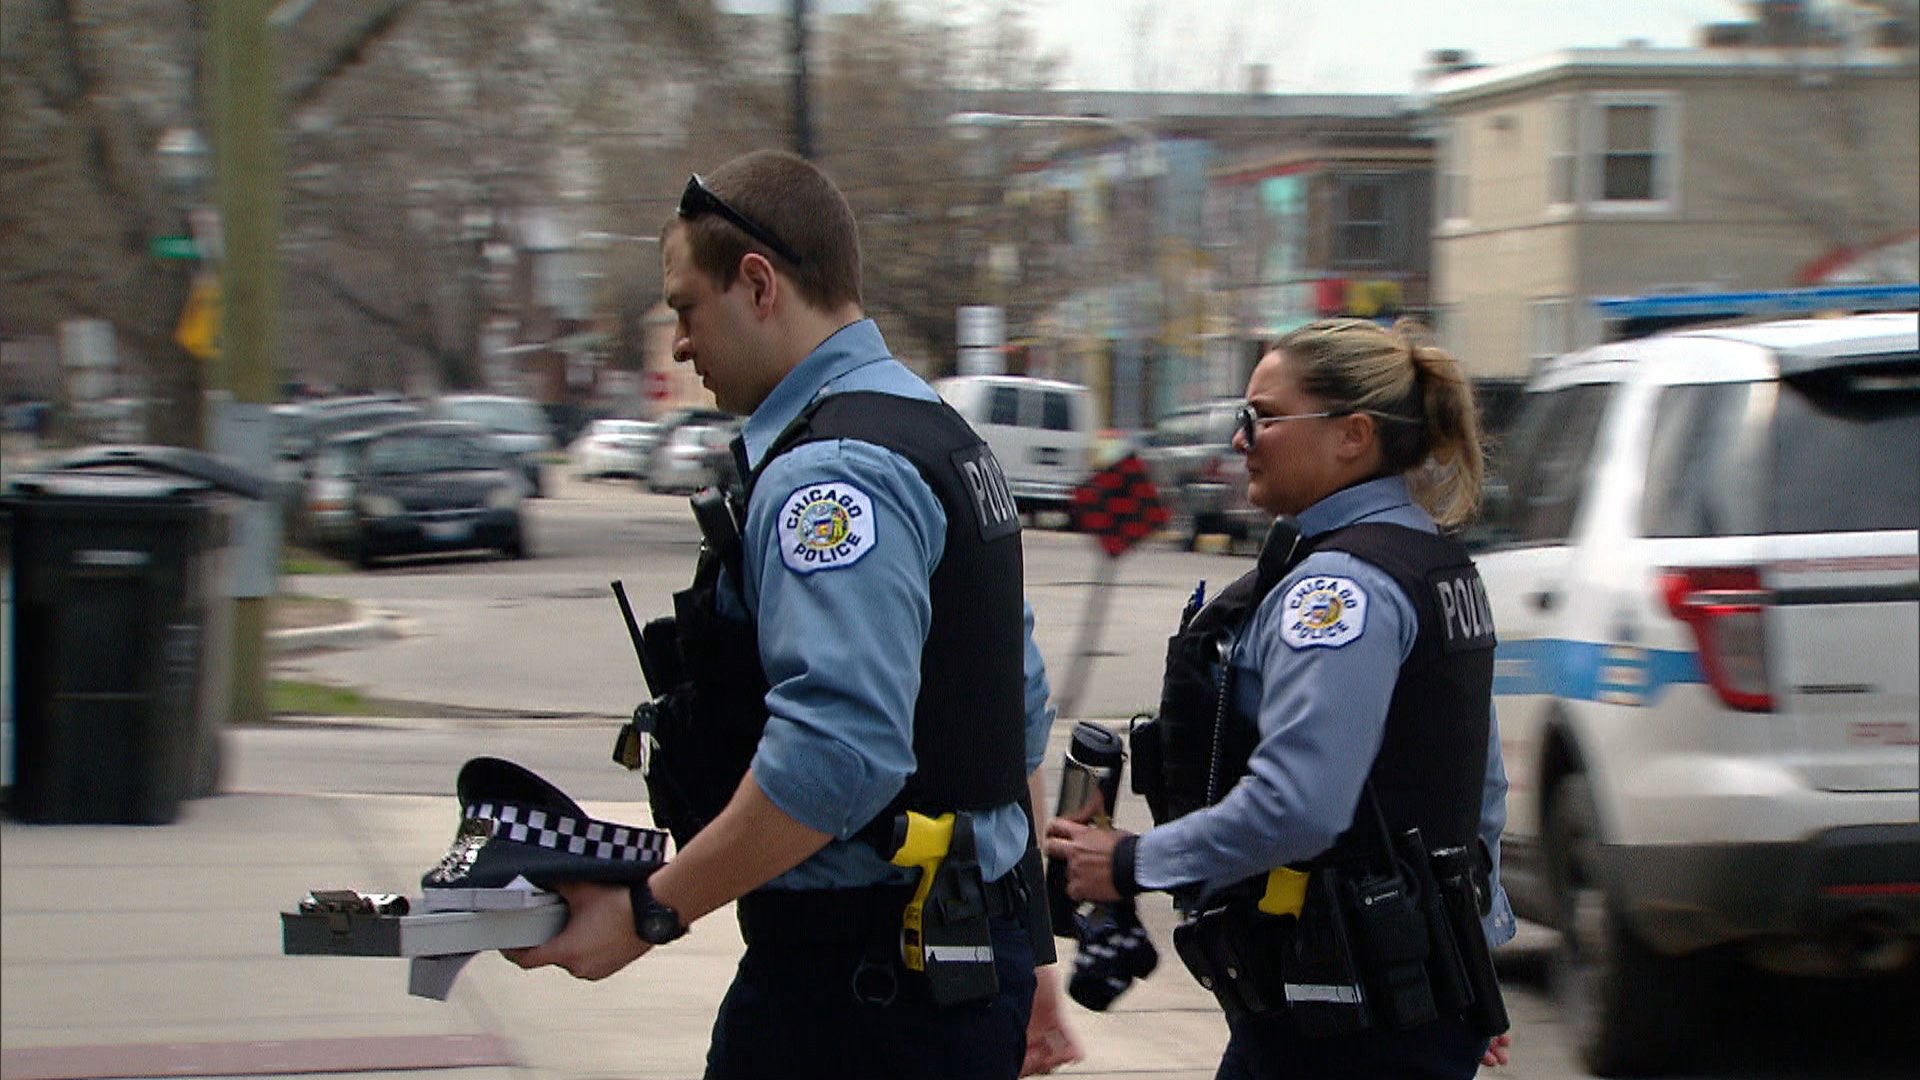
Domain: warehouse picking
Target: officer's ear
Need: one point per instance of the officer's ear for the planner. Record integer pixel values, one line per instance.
(1357, 436)
(762, 283)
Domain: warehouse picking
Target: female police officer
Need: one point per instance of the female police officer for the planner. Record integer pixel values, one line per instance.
(1357, 685)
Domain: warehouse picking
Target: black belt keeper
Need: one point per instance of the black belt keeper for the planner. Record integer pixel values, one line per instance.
(787, 918)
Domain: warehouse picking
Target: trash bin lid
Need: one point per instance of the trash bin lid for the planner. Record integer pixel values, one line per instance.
(106, 485)
(182, 469)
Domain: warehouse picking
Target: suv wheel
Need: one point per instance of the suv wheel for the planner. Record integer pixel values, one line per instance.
(1628, 1007)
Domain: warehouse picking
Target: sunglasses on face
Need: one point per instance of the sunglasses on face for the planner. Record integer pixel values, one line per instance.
(1251, 421)
(698, 200)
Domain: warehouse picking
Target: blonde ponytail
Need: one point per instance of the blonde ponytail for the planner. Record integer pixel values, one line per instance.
(1428, 427)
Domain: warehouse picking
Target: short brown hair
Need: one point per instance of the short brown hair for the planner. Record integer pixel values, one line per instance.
(791, 198)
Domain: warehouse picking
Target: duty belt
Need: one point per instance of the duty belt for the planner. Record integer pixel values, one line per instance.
(781, 918)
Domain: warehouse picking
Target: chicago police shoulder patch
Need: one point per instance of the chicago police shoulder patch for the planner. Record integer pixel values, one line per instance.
(825, 527)
(1323, 611)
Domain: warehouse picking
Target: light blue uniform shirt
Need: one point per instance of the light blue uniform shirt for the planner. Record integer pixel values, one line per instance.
(841, 646)
(1322, 714)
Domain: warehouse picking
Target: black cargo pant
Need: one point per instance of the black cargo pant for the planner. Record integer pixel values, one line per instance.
(848, 1010)
(1271, 1048)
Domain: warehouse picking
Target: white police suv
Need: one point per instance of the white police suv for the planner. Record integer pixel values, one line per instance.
(1705, 570)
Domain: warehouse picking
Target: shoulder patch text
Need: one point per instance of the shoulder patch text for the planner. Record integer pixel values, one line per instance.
(825, 527)
(1323, 611)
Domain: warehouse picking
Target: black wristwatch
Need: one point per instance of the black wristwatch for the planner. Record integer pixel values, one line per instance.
(655, 922)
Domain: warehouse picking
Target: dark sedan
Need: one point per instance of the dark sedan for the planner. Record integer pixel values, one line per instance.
(433, 485)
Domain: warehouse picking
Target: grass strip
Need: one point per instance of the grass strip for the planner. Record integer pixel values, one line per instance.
(292, 697)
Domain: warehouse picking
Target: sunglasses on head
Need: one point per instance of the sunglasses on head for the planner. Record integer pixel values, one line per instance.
(698, 200)
(1250, 421)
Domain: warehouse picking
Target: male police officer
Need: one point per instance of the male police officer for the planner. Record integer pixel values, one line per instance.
(879, 572)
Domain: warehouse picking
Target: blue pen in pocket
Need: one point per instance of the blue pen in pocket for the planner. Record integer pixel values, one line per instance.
(1194, 604)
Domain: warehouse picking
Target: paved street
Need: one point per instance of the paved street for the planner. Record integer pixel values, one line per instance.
(155, 951)
(545, 637)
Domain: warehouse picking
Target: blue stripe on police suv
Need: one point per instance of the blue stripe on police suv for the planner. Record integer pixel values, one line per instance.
(1590, 670)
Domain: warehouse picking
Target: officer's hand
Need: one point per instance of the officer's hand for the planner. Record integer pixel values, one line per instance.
(1088, 854)
(1050, 1042)
(1497, 1050)
(598, 939)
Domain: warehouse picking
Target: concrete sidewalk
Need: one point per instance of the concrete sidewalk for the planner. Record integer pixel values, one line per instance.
(155, 951)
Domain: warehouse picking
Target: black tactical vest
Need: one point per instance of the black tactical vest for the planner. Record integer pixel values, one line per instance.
(969, 720)
(1432, 762)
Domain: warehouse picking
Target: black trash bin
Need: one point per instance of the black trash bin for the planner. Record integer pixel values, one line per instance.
(119, 565)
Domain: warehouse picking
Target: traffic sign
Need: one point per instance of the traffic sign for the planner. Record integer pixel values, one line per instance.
(1119, 505)
(173, 247)
(199, 329)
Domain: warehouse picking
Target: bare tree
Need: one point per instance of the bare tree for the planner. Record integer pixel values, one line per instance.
(421, 136)
(1827, 144)
(86, 89)
(926, 219)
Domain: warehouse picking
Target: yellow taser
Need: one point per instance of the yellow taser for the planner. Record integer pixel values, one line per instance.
(1286, 892)
(920, 841)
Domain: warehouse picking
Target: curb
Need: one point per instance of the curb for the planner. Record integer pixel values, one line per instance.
(371, 627)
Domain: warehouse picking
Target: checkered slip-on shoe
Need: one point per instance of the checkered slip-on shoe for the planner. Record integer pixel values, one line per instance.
(515, 824)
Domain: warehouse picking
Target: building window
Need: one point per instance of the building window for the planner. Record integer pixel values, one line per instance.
(1563, 152)
(1633, 162)
(1362, 235)
(1626, 169)
(1453, 172)
(1549, 328)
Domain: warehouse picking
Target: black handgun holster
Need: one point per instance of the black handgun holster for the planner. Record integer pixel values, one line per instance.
(1260, 965)
(1232, 951)
(957, 934)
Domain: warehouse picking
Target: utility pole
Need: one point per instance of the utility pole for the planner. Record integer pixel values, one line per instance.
(246, 107)
(802, 117)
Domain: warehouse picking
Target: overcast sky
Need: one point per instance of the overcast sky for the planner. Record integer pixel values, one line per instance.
(1310, 46)
(1327, 46)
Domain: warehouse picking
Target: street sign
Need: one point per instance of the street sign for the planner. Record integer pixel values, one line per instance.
(173, 247)
(199, 329)
(1119, 505)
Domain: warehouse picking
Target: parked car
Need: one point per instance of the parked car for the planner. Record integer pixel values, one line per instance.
(692, 456)
(1190, 457)
(518, 425)
(430, 485)
(1705, 573)
(696, 414)
(302, 429)
(1040, 431)
(613, 448)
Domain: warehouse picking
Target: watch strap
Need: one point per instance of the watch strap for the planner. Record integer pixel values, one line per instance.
(646, 916)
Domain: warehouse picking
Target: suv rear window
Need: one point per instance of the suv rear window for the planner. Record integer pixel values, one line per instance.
(1013, 406)
(1003, 406)
(1831, 453)
(1056, 411)
(1542, 471)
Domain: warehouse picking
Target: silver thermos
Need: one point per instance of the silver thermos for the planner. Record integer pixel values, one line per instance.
(1090, 774)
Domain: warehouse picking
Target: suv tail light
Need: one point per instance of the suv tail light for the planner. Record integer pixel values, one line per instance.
(1725, 607)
